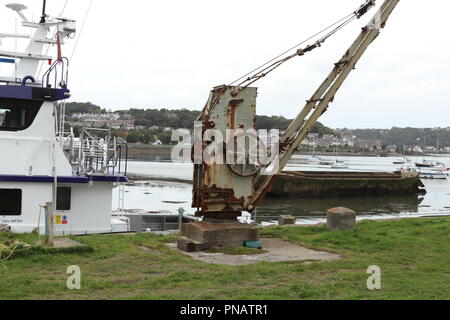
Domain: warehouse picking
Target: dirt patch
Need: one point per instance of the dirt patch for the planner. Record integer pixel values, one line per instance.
(149, 250)
(66, 243)
(277, 251)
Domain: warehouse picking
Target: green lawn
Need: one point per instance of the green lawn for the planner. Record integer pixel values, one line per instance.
(414, 256)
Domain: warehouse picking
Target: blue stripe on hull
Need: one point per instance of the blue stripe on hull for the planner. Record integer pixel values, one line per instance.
(72, 179)
(33, 93)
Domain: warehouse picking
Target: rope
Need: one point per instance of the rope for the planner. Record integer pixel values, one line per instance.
(299, 52)
(81, 30)
(290, 49)
(9, 248)
(64, 8)
(273, 64)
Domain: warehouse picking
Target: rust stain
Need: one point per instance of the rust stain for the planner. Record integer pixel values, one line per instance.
(234, 104)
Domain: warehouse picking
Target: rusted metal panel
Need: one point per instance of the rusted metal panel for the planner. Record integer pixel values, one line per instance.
(217, 189)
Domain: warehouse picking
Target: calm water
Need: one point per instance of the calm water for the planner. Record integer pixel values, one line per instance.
(168, 197)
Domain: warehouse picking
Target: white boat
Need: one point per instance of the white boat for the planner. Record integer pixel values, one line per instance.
(434, 175)
(42, 166)
(402, 161)
(440, 167)
(340, 166)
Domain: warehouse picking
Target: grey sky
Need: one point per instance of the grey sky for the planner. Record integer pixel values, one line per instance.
(154, 54)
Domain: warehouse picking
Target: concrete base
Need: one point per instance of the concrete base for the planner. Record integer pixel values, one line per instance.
(275, 250)
(64, 243)
(198, 236)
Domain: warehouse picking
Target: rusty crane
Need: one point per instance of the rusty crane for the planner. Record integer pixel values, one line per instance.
(223, 190)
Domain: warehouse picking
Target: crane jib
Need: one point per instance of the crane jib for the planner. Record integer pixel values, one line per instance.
(320, 101)
(224, 190)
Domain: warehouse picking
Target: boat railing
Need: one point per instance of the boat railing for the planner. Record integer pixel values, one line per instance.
(92, 155)
(57, 76)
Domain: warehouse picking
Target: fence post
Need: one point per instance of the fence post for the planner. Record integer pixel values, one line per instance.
(49, 232)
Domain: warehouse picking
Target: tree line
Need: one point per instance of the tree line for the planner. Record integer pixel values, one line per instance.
(156, 121)
(407, 136)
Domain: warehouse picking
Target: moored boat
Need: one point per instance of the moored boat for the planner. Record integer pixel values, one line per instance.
(48, 175)
(434, 175)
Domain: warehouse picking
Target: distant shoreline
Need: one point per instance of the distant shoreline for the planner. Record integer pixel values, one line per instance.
(140, 150)
(142, 177)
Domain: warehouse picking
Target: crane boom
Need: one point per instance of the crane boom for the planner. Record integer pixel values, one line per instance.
(319, 102)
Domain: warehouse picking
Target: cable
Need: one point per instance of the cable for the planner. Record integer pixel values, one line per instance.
(11, 253)
(64, 8)
(81, 30)
(292, 48)
(300, 52)
(273, 64)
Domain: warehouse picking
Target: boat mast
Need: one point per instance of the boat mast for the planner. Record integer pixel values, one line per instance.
(44, 16)
(28, 62)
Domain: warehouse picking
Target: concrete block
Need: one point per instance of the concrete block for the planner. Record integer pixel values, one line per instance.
(187, 245)
(286, 220)
(208, 235)
(341, 219)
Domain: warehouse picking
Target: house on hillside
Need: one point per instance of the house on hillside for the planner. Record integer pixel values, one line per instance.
(418, 149)
(369, 144)
(313, 136)
(392, 148)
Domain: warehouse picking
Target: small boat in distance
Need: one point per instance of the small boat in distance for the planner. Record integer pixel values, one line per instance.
(340, 165)
(435, 166)
(327, 163)
(425, 164)
(402, 161)
(434, 175)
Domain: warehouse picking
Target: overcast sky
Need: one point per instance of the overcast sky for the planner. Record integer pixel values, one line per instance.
(170, 53)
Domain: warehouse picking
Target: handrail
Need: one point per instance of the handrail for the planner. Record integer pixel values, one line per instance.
(53, 69)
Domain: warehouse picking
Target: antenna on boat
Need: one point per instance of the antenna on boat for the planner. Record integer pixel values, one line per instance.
(43, 12)
(18, 8)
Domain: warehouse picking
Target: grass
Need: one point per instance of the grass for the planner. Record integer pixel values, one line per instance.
(11, 248)
(414, 256)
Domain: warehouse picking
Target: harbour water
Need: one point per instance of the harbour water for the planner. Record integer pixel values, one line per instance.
(158, 193)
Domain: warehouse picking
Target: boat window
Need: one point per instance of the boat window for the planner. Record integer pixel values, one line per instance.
(10, 202)
(17, 115)
(63, 198)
